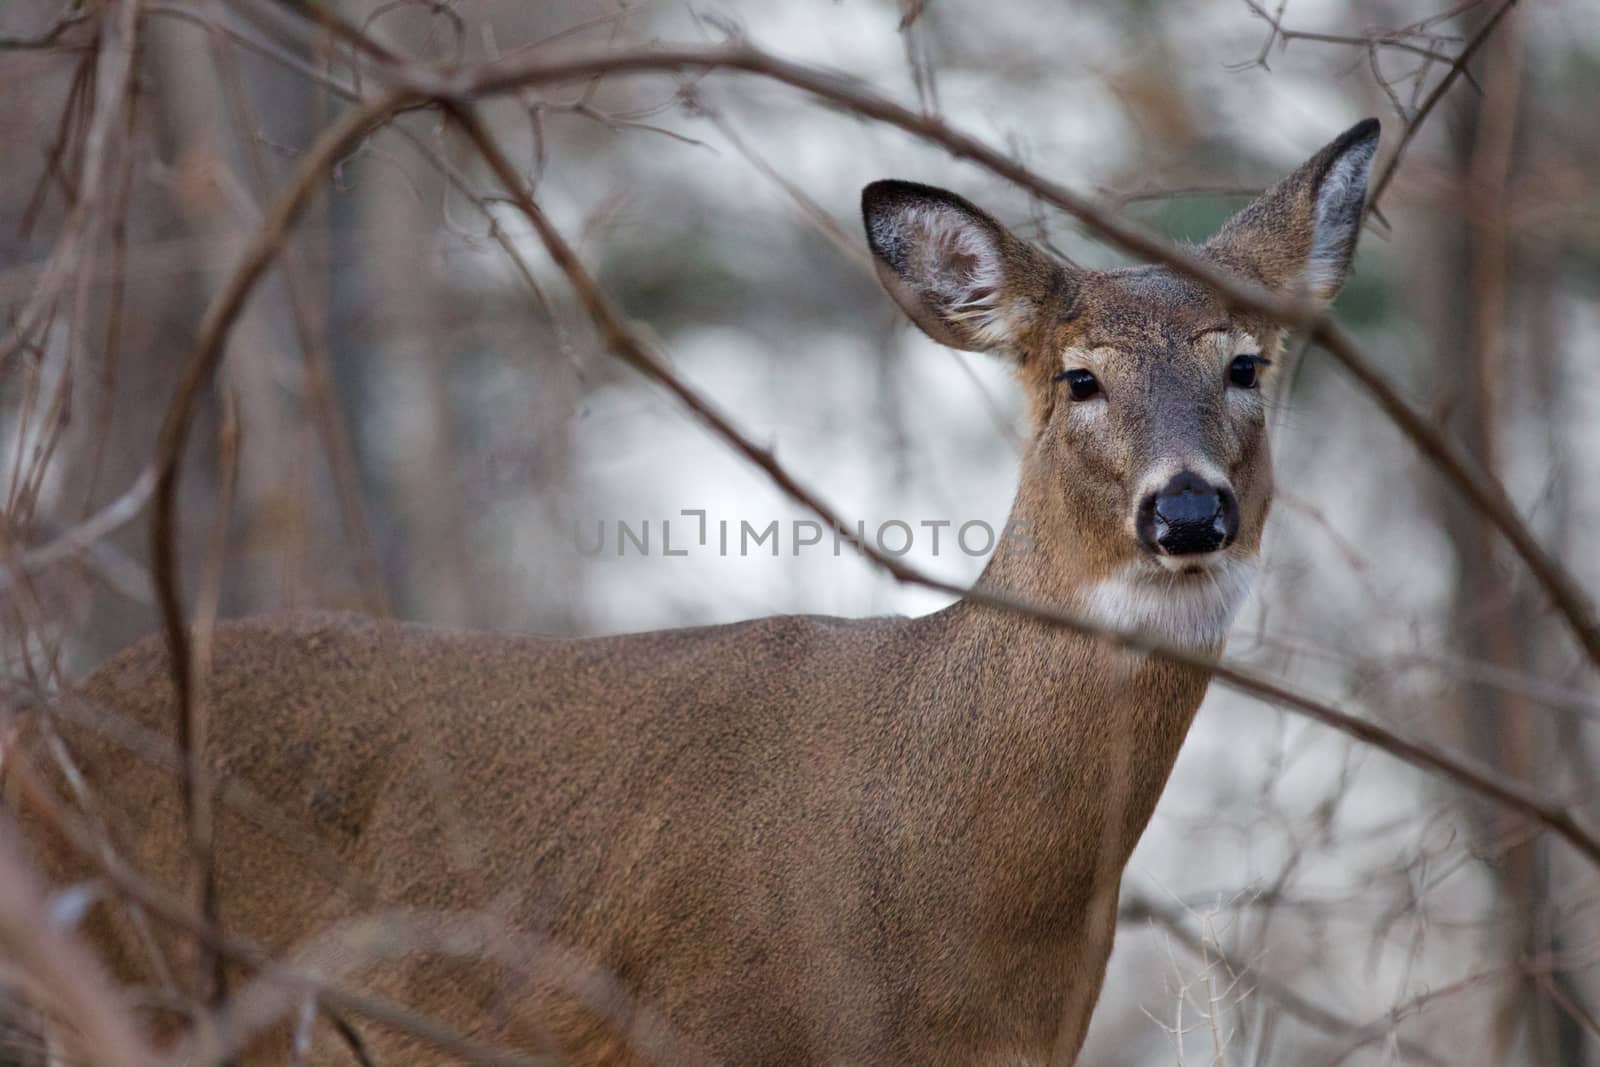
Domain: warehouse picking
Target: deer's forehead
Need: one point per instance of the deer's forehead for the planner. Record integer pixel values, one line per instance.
(1143, 309)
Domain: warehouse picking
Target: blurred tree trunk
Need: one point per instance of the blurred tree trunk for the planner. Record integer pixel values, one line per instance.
(212, 188)
(1481, 359)
(392, 316)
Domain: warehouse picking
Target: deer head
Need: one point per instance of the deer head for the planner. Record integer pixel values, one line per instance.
(1148, 478)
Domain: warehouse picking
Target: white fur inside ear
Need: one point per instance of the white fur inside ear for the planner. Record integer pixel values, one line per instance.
(1193, 611)
(955, 264)
(1341, 199)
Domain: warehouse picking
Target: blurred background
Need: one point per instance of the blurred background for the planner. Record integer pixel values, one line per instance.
(414, 416)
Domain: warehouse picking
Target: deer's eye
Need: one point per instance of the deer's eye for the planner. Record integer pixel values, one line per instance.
(1080, 383)
(1242, 371)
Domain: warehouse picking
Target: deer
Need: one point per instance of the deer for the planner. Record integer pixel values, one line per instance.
(791, 840)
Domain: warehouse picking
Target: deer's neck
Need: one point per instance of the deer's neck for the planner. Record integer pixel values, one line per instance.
(1061, 744)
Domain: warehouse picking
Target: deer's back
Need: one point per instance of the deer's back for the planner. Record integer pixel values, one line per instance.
(623, 802)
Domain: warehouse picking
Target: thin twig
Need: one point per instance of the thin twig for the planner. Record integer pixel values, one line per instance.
(1139, 908)
(1469, 50)
(1369, 41)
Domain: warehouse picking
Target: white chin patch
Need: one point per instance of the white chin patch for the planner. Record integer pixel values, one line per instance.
(1191, 610)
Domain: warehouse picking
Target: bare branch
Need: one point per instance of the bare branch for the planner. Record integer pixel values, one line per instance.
(1396, 39)
(1456, 70)
(1140, 908)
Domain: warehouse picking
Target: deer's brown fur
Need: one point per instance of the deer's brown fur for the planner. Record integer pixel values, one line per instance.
(796, 840)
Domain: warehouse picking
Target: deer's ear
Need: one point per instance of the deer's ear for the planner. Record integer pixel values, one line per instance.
(956, 271)
(1301, 233)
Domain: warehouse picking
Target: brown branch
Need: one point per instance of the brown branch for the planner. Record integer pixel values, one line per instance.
(1272, 35)
(198, 369)
(628, 347)
(54, 172)
(1570, 1007)
(1379, 41)
(1457, 68)
(1391, 39)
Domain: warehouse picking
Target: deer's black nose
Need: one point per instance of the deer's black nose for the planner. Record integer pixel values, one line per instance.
(1188, 516)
